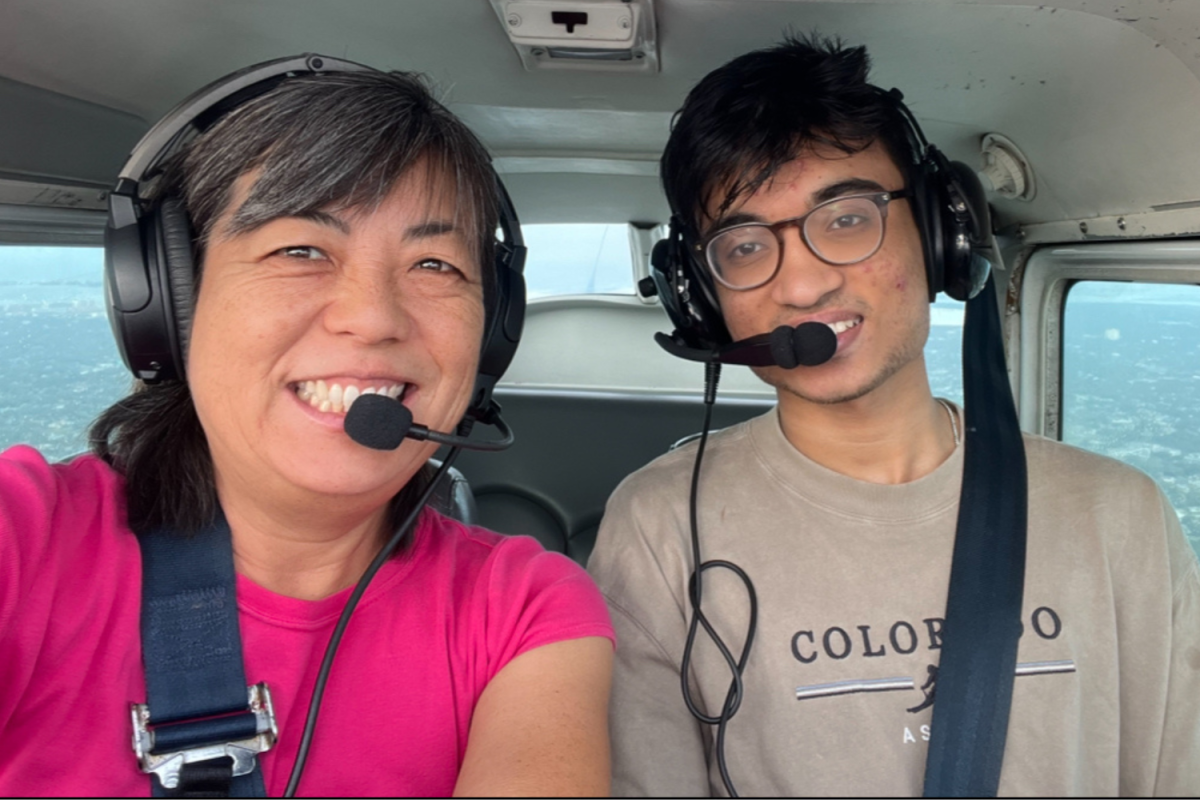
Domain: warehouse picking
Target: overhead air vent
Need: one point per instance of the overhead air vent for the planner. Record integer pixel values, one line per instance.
(597, 35)
(1006, 171)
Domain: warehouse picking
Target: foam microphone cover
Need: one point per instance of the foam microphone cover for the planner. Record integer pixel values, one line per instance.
(813, 343)
(782, 347)
(377, 421)
(807, 345)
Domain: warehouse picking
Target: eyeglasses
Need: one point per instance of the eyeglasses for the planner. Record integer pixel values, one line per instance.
(842, 231)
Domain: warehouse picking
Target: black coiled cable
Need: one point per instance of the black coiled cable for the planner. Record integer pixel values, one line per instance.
(733, 698)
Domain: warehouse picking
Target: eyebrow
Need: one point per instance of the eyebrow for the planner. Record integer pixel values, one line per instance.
(325, 218)
(428, 230)
(822, 195)
(848, 186)
(425, 230)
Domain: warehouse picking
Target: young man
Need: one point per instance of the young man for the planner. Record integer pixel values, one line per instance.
(841, 503)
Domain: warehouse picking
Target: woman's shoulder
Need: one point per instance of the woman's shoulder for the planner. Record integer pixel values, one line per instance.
(59, 505)
(529, 595)
(28, 481)
(63, 538)
(475, 552)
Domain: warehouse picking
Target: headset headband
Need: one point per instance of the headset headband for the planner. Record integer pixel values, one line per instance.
(209, 103)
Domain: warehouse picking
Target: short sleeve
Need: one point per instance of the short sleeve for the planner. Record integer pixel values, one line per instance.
(536, 598)
(34, 496)
(658, 748)
(1178, 768)
(66, 562)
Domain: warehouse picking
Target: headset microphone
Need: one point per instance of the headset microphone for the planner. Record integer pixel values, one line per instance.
(381, 423)
(809, 344)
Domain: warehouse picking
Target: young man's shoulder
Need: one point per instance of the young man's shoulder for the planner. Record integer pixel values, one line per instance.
(726, 448)
(1056, 467)
(1085, 501)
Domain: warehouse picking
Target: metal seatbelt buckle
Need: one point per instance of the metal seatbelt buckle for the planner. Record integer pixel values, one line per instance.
(167, 764)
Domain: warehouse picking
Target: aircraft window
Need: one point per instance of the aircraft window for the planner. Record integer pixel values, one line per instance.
(577, 259)
(61, 367)
(1131, 373)
(943, 350)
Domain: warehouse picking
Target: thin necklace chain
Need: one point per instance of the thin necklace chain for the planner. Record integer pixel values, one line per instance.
(953, 421)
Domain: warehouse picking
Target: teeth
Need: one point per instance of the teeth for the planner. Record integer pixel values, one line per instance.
(333, 397)
(844, 325)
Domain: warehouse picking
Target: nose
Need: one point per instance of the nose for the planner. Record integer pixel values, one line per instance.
(367, 304)
(803, 280)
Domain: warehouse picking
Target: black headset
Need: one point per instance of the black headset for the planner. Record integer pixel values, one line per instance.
(952, 217)
(149, 275)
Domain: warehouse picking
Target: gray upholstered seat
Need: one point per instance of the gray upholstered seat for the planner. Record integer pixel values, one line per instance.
(453, 497)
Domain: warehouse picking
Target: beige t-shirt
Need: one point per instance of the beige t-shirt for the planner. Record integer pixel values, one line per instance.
(851, 581)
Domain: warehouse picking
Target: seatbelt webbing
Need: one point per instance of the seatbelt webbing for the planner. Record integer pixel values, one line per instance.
(192, 647)
(987, 578)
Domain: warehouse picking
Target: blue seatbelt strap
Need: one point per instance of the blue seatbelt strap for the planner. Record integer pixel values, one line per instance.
(201, 727)
(987, 578)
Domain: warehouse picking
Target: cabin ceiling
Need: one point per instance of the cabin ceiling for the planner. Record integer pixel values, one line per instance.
(1103, 97)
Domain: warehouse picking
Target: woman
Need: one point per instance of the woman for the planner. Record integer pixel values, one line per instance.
(342, 230)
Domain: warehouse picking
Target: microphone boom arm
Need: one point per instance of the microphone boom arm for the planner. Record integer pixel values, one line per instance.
(422, 433)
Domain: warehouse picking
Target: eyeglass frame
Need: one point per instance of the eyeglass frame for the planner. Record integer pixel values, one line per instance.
(881, 199)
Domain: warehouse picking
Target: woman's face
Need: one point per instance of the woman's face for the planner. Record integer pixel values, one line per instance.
(295, 316)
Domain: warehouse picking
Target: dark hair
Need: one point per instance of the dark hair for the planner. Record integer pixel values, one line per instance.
(321, 142)
(748, 118)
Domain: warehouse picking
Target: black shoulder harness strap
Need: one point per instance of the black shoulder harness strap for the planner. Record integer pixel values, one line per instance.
(201, 726)
(987, 579)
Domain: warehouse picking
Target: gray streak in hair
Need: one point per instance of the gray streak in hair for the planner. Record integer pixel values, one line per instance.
(333, 142)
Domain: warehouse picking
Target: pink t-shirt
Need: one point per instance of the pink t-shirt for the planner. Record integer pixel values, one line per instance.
(436, 624)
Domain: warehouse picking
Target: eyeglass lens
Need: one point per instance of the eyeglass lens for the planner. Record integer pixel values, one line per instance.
(842, 231)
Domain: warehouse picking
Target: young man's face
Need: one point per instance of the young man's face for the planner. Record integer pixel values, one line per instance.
(882, 302)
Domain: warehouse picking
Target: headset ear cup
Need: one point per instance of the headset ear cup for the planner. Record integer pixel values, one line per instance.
(951, 211)
(504, 331)
(967, 205)
(179, 275)
(506, 324)
(707, 309)
(126, 283)
(927, 204)
(686, 294)
(662, 268)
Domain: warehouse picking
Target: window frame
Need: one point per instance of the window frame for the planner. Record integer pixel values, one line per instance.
(1048, 275)
(47, 226)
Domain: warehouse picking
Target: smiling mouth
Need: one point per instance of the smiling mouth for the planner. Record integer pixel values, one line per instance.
(845, 325)
(337, 399)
